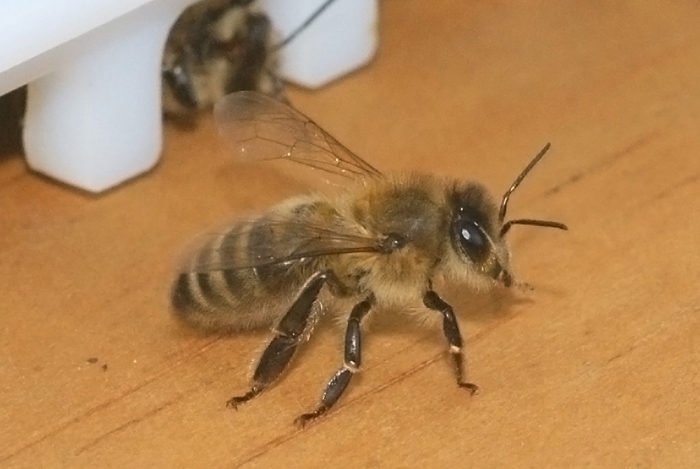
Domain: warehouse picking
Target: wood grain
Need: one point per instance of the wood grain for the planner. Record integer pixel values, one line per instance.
(597, 367)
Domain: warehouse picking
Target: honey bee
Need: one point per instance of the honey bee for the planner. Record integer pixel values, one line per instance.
(217, 47)
(378, 245)
(214, 48)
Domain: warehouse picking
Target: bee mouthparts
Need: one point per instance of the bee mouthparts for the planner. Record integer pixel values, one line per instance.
(505, 277)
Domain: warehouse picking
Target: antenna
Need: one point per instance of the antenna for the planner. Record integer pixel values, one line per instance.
(525, 221)
(303, 25)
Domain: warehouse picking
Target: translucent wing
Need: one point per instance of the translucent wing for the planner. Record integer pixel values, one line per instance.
(257, 127)
(268, 242)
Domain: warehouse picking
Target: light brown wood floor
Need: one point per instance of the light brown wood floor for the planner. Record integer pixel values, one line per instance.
(597, 367)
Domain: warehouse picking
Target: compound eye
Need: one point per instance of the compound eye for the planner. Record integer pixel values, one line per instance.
(473, 240)
(181, 85)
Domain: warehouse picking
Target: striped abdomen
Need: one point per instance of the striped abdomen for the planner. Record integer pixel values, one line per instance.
(236, 281)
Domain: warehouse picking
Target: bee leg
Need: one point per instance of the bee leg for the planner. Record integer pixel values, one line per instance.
(288, 335)
(452, 334)
(351, 363)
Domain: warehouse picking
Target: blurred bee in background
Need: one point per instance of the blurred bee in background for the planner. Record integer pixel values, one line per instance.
(217, 47)
(376, 246)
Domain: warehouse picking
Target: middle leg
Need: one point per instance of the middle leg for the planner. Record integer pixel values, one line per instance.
(351, 363)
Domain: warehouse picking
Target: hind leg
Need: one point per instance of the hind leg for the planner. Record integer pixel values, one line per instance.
(288, 335)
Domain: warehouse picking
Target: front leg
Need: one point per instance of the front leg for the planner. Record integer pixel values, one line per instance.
(351, 363)
(452, 334)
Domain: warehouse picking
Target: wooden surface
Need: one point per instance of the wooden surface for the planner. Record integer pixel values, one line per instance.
(597, 367)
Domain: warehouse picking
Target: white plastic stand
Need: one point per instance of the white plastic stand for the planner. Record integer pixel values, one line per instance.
(93, 72)
(93, 68)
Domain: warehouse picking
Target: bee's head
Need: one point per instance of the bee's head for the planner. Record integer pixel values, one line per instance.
(475, 237)
(478, 229)
(179, 91)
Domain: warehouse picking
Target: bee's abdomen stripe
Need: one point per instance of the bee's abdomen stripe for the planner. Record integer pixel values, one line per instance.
(187, 294)
(231, 282)
(219, 288)
(210, 289)
(181, 295)
(234, 282)
(213, 284)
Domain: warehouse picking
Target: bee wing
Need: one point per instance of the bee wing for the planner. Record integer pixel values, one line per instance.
(270, 242)
(257, 127)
